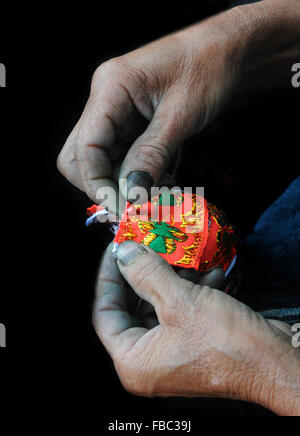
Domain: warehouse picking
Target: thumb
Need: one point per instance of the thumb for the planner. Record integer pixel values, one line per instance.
(150, 276)
(153, 152)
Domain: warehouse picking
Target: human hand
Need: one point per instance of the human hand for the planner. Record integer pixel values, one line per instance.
(144, 104)
(206, 343)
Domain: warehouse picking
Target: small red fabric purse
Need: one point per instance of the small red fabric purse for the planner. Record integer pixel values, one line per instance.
(186, 231)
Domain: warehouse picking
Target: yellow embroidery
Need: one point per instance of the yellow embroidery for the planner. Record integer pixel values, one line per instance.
(145, 226)
(193, 217)
(170, 244)
(129, 234)
(189, 254)
(148, 239)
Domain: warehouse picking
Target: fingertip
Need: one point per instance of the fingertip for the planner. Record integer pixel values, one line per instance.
(129, 252)
(135, 179)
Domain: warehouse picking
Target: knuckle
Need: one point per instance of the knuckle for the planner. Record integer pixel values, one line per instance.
(169, 313)
(202, 297)
(162, 292)
(62, 163)
(65, 162)
(180, 306)
(106, 71)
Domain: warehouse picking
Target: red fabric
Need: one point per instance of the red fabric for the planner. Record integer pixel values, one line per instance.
(93, 209)
(221, 247)
(202, 242)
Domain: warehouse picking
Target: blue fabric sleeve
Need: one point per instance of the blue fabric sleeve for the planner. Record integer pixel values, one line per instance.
(273, 250)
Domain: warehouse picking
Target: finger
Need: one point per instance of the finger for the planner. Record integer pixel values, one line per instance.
(67, 163)
(95, 167)
(150, 276)
(107, 109)
(214, 279)
(112, 322)
(151, 154)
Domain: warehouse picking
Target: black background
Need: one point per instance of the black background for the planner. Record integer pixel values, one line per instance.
(52, 256)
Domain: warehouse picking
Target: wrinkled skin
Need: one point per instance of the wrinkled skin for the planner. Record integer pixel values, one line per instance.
(142, 106)
(153, 98)
(206, 343)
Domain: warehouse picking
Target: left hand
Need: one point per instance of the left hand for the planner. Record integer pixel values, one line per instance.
(206, 343)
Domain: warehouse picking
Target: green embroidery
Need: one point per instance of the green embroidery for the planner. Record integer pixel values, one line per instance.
(165, 237)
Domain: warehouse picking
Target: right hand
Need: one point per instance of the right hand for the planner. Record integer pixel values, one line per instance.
(152, 99)
(204, 343)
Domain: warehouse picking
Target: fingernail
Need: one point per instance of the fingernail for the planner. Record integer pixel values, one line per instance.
(141, 179)
(129, 251)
